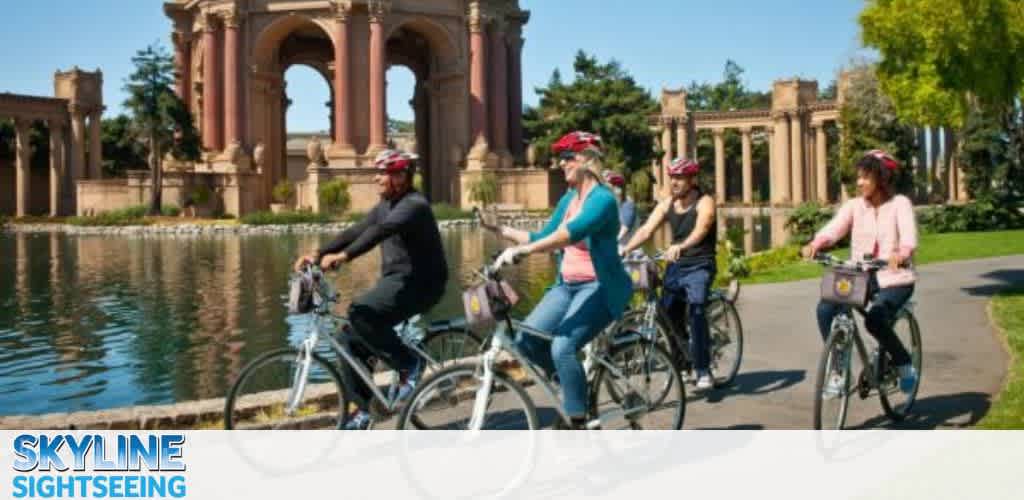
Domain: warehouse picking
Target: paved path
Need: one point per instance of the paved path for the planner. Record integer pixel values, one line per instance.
(964, 361)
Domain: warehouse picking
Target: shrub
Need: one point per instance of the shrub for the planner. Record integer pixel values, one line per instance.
(283, 191)
(354, 217)
(981, 215)
(124, 217)
(806, 220)
(334, 196)
(170, 211)
(444, 211)
(200, 195)
(484, 190)
(776, 257)
(270, 218)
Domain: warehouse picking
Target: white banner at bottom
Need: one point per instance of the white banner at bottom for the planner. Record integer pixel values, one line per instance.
(545, 464)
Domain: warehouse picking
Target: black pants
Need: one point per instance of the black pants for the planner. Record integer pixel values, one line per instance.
(374, 316)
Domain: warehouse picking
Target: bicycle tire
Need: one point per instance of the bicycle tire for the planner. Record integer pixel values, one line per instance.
(432, 386)
(898, 412)
(474, 343)
(233, 410)
(675, 421)
(824, 370)
(736, 338)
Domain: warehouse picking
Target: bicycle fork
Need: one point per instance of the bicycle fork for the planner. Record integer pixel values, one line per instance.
(298, 387)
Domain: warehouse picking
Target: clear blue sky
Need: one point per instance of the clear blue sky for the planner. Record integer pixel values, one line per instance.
(660, 42)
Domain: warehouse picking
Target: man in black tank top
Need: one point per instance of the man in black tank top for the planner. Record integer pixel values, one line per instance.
(691, 216)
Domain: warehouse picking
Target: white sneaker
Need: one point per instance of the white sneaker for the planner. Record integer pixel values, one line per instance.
(833, 387)
(705, 382)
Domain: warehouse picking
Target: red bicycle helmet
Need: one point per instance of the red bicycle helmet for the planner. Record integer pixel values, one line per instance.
(683, 166)
(391, 160)
(614, 178)
(577, 142)
(887, 160)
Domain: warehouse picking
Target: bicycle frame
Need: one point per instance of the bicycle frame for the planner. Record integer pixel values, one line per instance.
(502, 341)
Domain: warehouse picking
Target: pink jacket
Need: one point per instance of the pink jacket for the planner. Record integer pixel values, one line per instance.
(890, 229)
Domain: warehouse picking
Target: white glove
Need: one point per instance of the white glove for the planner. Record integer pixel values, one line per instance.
(509, 256)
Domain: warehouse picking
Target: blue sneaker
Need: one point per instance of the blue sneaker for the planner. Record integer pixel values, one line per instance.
(358, 421)
(908, 378)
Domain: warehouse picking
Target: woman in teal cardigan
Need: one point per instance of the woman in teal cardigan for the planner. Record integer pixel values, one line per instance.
(592, 287)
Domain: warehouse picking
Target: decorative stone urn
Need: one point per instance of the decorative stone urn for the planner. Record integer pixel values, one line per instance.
(315, 153)
(259, 155)
(531, 155)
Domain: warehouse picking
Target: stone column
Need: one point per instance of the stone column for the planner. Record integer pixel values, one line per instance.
(797, 157)
(499, 92)
(95, 145)
(772, 167)
(682, 138)
(183, 65)
(378, 65)
(720, 191)
(212, 133)
(820, 162)
(232, 81)
(22, 160)
(478, 77)
(77, 164)
(57, 168)
(748, 167)
(921, 171)
(933, 160)
(782, 154)
(515, 102)
(666, 145)
(342, 76)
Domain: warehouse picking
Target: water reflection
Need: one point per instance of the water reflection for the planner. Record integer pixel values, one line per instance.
(93, 322)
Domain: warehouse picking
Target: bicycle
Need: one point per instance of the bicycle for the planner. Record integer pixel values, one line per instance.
(724, 325)
(303, 388)
(877, 374)
(465, 395)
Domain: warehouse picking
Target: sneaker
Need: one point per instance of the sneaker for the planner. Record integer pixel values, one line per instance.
(704, 381)
(833, 386)
(908, 378)
(358, 421)
(407, 380)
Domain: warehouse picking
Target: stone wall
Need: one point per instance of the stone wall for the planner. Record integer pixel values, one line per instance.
(519, 188)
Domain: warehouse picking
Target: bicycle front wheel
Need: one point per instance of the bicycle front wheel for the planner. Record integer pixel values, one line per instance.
(646, 393)
(832, 388)
(448, 347)
(895, 403)
(445, 400)
(278, 390)
(726, 333)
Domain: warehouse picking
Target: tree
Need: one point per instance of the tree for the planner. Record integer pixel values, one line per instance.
(602, 98)
(121, 149)
(956, 63)
(868, 120)
(159, 118)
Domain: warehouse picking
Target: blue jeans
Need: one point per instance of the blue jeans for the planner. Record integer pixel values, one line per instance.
(879, 318)
(688, 286)
(574, 314)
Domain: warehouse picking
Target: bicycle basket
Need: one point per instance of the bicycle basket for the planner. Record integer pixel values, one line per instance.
(487, 302)
(300, 294)
(643, 274)
(845, 286)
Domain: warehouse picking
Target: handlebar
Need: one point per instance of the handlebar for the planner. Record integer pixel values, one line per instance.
(868, 264)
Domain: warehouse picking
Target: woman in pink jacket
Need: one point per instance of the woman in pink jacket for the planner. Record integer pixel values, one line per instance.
(881, 224)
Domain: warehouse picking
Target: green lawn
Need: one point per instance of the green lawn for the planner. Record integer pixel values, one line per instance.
(1007, 412)
(931, 249)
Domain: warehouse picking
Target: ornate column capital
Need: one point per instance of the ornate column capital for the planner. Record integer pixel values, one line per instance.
(717, 132)
(21, 125)
(780, 114)
(76, 110)
(341, 10)
(231, 17)
(746, 129)
(378, 9)
(477, 18)
(208, 21)
(181, 38)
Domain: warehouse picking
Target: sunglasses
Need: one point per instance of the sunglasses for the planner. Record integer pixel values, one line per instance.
(566, 155)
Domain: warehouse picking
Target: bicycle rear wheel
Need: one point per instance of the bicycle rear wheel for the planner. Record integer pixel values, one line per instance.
(266, 394)
(448, 347)
(895, 403)
(726, 332)
(445, 400)
(648, 393)
(832, 388)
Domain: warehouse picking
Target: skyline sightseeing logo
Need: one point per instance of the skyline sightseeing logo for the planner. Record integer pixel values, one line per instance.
(91, 466)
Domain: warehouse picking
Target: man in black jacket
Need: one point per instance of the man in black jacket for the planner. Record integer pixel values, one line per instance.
(413, 270)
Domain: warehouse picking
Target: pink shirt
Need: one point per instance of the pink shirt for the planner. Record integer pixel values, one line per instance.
(883, 232)
(577, 265)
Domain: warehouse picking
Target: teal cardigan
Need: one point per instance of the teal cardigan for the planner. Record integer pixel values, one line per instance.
(598, 224)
